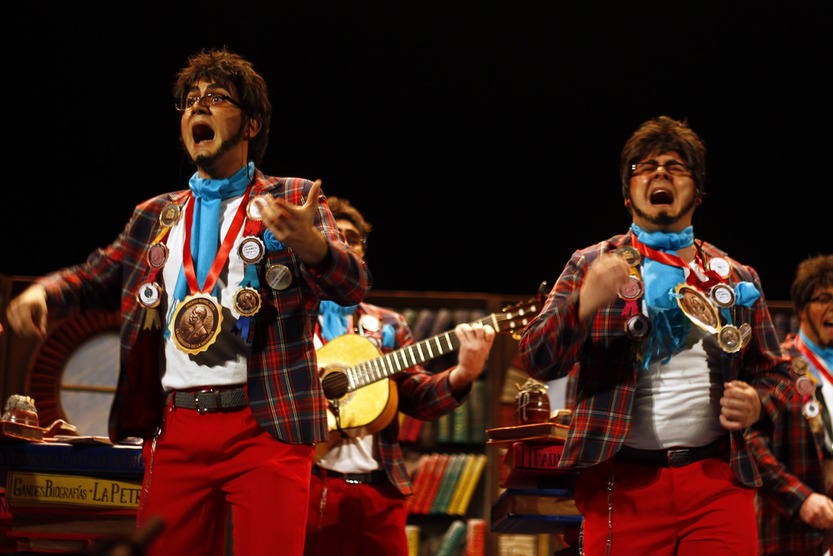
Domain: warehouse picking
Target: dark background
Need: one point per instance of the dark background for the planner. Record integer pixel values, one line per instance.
(483, 145)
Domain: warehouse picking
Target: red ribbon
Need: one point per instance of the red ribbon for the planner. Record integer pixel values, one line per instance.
(222, 253)
(631, 308)
(712, 277)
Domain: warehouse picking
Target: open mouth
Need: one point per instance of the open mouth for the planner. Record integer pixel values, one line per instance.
(202, 132)
(661, 196)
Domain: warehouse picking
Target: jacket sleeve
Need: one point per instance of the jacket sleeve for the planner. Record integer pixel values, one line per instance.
(552, 342)
(786, 490)
(95, 284)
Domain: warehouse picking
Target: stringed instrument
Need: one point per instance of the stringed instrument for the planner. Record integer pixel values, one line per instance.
(356, 377)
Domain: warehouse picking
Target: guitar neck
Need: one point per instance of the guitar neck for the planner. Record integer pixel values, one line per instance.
(379, 368)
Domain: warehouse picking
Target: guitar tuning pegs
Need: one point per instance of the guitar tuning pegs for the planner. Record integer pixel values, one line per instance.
(543, 291)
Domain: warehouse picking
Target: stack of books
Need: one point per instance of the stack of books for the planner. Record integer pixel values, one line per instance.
(65, 496)
(538, 496)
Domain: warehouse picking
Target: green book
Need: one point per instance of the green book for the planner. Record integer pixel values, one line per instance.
(453, 539)
(477, 412)
(448, 484)
(444, 428)
(460, 423)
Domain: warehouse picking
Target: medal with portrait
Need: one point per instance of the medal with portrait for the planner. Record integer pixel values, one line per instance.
(196, 323)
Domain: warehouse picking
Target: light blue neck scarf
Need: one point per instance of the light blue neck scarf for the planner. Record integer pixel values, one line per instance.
(824, 353)
(334, 318)
(205, 227)
(669, 326)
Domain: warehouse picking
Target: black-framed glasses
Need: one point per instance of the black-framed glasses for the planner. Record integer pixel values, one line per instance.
(353, 238)
(823, 299)
(672, 167)
(209, 99)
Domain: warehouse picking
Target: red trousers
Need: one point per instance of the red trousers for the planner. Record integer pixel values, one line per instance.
(202, 464)
(355, 519)
(631, 508)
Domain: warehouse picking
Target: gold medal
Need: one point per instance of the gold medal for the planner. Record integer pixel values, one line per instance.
(251, 249)
(722, 295)
(253, 209)
(278, 277)
(729, 339)
(196, 323)
(631, 255)
(247, 301)
(150, 295)
(697, 308)
(638, 327)
(800, 365)
(745, 334)
(169, 215)
(805, 385)
(157, 255)
(631, 290)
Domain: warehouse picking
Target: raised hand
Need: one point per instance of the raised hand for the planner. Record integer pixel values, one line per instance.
(475, 343)
(27, 312)
(605, 276)
(295, 225)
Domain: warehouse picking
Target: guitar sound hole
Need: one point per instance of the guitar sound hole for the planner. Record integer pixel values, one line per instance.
(335, 385)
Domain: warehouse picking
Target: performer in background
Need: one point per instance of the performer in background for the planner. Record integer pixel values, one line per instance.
(795, 512)
(358, 492)
(663, 396)
(224, 391)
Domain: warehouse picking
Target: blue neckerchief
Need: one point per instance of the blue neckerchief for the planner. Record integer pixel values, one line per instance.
(826, 354)
(334, 319)
(205, 227)
(669, 326)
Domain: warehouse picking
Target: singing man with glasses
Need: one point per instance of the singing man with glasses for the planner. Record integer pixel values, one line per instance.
(675, 357)
(795, 511)
(359, 486)
(218, 286)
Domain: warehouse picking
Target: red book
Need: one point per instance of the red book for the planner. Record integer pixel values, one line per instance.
(433, 484)
(425, 469)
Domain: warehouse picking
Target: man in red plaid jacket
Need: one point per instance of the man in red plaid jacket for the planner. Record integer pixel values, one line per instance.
(229, 409)
(359, 488)
(795, 512)
(663, 397)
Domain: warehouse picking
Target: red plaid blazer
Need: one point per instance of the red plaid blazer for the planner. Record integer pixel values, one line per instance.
(790, 462)
(284, 390)
(555, 341)
(422, 395)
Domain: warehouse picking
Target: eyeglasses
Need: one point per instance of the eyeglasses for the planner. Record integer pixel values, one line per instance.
(352, 238)
(672, 167)
(209, 99)
(823, 299)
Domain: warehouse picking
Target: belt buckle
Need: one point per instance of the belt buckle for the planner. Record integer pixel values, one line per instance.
(678, 457)
(204, 408)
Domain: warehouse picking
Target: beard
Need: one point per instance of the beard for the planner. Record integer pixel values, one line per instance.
(207, 162)
(665, 218)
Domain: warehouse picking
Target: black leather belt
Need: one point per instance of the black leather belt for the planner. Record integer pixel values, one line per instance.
(368, 478)
(674, 457)
(210, 400)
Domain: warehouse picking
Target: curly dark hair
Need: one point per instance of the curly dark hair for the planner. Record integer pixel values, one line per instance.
(662, 135)
(232, 71)
(342, 209)
(811, 274)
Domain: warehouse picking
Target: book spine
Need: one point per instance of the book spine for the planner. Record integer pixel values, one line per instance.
(43, 489)
(460, 423)
(444, 428)
(114, 461)
(453, 539)
(476, 537)
(473, 480)
(477, 412)
(412, 534)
